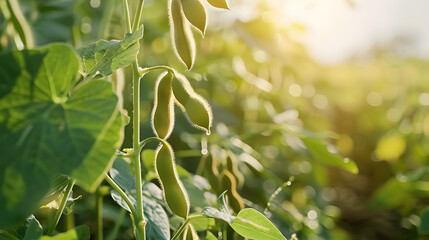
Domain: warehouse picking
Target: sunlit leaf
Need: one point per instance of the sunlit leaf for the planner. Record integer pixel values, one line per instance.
(104, 57)
(252, 224)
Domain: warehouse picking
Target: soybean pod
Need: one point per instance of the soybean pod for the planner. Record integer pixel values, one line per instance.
(195, 12)
(183, 40)
(219, 3)
(163, 110)
(190, 233)
(174, 193)
(196, 107)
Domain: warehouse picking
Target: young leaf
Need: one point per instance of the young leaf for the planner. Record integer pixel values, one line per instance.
(221, 202)
(183, 40)
(77, 233)
(46, 129)
(252, 224)
(215, 213)
(219, 3)
(195, 12)
(104, 57)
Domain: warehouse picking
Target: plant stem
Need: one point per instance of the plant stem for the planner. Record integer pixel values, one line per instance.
(60, 210)
(20, 24)
(121, 193)
(99, 208)
(69, 221)
(138, 15)
(139, 217)
(127, 15)
(184, 224)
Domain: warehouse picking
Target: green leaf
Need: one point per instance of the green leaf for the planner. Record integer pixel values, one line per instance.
(78, 233)
(157, 226)
(34, 229)
(104, 57)
(424, 221)
(121, 174)
(48, 128)
(221, 202)
(215, 213)
(319, 151)
(252, 224)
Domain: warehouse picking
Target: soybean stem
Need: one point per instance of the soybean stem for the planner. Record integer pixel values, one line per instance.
(127, 15)
(99, 208)
(184, 224)
(139, 216)
(121, 193)
(60, 210)
(138, 15)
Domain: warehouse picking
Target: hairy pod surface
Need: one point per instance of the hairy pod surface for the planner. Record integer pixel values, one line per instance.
(183, 40)
(228, 183)
(174, 192)
(197, 109)
(190, 233)
(195, 12)
(219, 3)
(163, 109)
(232, 166)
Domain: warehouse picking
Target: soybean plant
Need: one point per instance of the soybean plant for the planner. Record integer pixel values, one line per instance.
(62, 125)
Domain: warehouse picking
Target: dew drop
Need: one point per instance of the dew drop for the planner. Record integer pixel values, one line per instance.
(346, 160)
(288, 183)
(208, 132)
(204, 151)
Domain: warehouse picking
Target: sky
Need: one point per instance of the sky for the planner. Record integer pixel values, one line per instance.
(339, 30)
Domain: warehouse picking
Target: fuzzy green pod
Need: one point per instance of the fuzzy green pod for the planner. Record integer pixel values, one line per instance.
(183, 40)
(163, 110)
(228, 183)
(195, 12)
(197, 109)
(190, 233)
(219, 3)
(232, 166)
(174, 192)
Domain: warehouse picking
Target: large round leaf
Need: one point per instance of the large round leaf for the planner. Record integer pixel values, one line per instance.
(47, 128)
